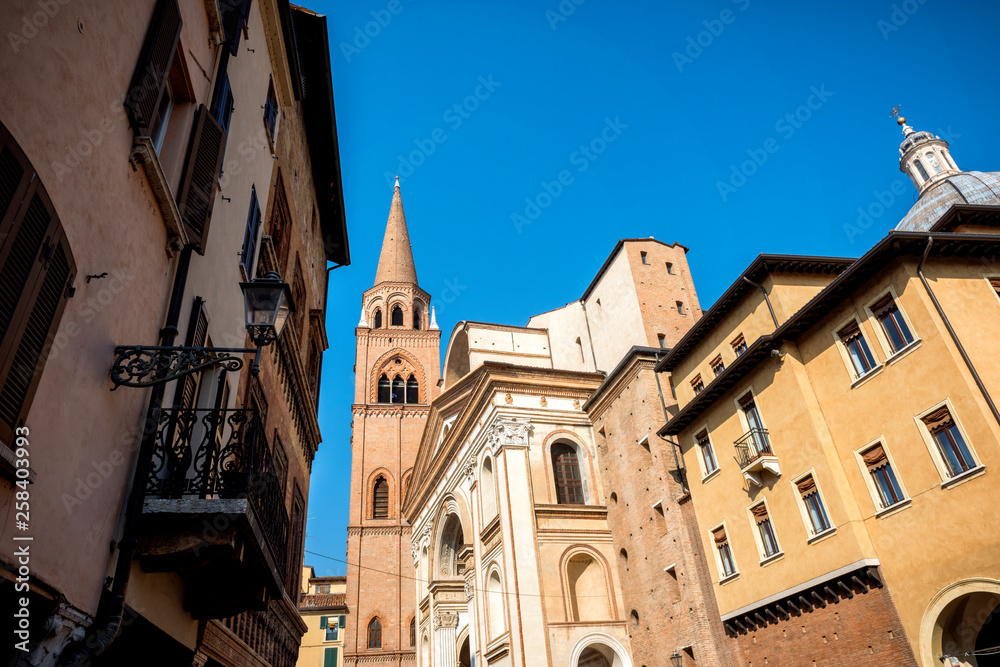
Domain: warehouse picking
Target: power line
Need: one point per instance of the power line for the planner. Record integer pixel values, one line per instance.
(478, 590)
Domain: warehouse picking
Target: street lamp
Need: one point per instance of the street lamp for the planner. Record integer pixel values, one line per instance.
(676, 659)
(267, 302)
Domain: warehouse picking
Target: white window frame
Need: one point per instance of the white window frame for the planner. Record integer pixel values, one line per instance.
(723, 577)
(706, 474)
(883, 340)
(744, 424)
(932, 447)
(870, 482)
(991, 276)
(812, 537)
(764, 558)
(846, 356)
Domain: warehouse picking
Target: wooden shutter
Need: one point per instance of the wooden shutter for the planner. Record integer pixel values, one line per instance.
(322, 622)
(201, 177)
(330, 657)
(380, 502)
(234, 13)
(196, 335)
(36, 276)
(149, 80)
(341, 620)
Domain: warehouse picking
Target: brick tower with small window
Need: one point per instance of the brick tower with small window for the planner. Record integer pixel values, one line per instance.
(397, 368)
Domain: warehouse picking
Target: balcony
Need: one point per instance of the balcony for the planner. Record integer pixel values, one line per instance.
(215, 511)
(754, 454)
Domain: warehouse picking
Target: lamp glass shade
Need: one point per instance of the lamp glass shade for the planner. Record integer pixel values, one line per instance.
(676, 659)
(267, 302)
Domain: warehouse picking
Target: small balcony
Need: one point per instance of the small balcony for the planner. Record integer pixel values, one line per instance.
(215, 511)
(754, 454)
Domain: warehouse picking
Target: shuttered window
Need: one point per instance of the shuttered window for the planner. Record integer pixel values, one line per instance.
(196, 336)
(201, 177)
(36, 277)
(149, 80)
(271, 110)
(249, 254)
(566, 469)
(380, 499)
(234, 16)
(330, 657)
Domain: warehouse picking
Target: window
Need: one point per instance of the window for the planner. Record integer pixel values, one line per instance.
(398, 390)
(718, 366)
(758, 443)
(893, 324)
(249, 254)
(707, 453)
(384, 389)
(579, 347)
(487, 490)
(680, 307)
(933, 161)
(697, 384)
(296, 540)
(324, 588)
(995, 284)
(920, 168)
(144, 101)
(670, 267)
(397, 316)
(375, 634)
(222, 96)
(724, 554)
(378, 318)
(662, 340)
(739, 345)
(950, 443)
(332, 631)
(271, 110)
(860, 355)
(417, 316)
(883, 476)
(330, 657)
(412, 390)
(569, 485)
(380, 499)
(815, 511)
(413, 632)
(163, 117)
(768, 541)
(36, 280)
(644, 258)
(298, 288)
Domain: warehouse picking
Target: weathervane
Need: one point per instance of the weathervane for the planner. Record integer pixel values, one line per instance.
(895, 110)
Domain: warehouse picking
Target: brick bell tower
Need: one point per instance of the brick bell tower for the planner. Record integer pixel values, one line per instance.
(397, 367)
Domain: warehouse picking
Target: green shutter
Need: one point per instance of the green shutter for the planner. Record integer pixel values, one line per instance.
(330, 657)
(341, 623)
(322, 622)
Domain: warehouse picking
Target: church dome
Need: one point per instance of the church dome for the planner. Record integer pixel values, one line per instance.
(967, 187)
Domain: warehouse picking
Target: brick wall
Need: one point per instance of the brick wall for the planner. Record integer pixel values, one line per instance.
(659, 289)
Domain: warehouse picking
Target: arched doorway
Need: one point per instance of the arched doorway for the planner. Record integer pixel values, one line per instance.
(464, 655)
(599, 650)
(591, 657)
(962, 626)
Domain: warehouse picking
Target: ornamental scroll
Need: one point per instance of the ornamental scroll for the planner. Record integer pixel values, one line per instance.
(509, 432)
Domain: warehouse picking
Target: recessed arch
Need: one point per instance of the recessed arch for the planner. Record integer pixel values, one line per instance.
(583, 459)
(496, 603)
(487, 490)
(444, 565)
(954, 618)
(407, 365)
(370, 491)
(587, 586)
(397, 315)
(603, 643)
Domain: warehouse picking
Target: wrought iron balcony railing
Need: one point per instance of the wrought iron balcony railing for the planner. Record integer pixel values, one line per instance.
(752, 446)
(220, 454)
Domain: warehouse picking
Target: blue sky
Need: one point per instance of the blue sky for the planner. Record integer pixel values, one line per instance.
(581, 122)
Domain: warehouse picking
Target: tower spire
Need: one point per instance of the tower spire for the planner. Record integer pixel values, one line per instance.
(395, 264)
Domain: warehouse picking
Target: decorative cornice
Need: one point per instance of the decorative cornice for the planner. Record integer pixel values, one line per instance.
(445, 619)
(386, 409)
(378, 530)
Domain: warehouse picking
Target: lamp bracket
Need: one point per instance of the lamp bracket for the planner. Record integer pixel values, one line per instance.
(146, 366)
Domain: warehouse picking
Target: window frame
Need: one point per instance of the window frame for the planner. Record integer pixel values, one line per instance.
(759, 537)
(739, 349)
(717, 551)
(845, 353)
(249, 265)
(872, 485)
(377, 623)
(812, 535)
(706, 473)
(575, 447)
(947, 480)
(880, 334)
(990, 277)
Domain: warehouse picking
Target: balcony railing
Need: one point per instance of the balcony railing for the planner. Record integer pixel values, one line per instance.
(220, 454)
(753, 445)
(754, 454)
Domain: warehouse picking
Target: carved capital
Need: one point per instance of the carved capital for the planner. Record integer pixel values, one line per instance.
(508, 432)
(445, 619)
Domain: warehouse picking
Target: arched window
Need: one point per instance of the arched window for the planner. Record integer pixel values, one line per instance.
(413, 632)
(935, 165)
(378, 318)
(569, 484)
(587, 588)
(398, 390)
(380, 499)
(412, 390)
(417, 318)
(397, 316)
(384, 389)
(494, 605)
(425, 650)
(452, 542)
(920, 168)
(579, 347)
(375, 634)
(487, 488)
